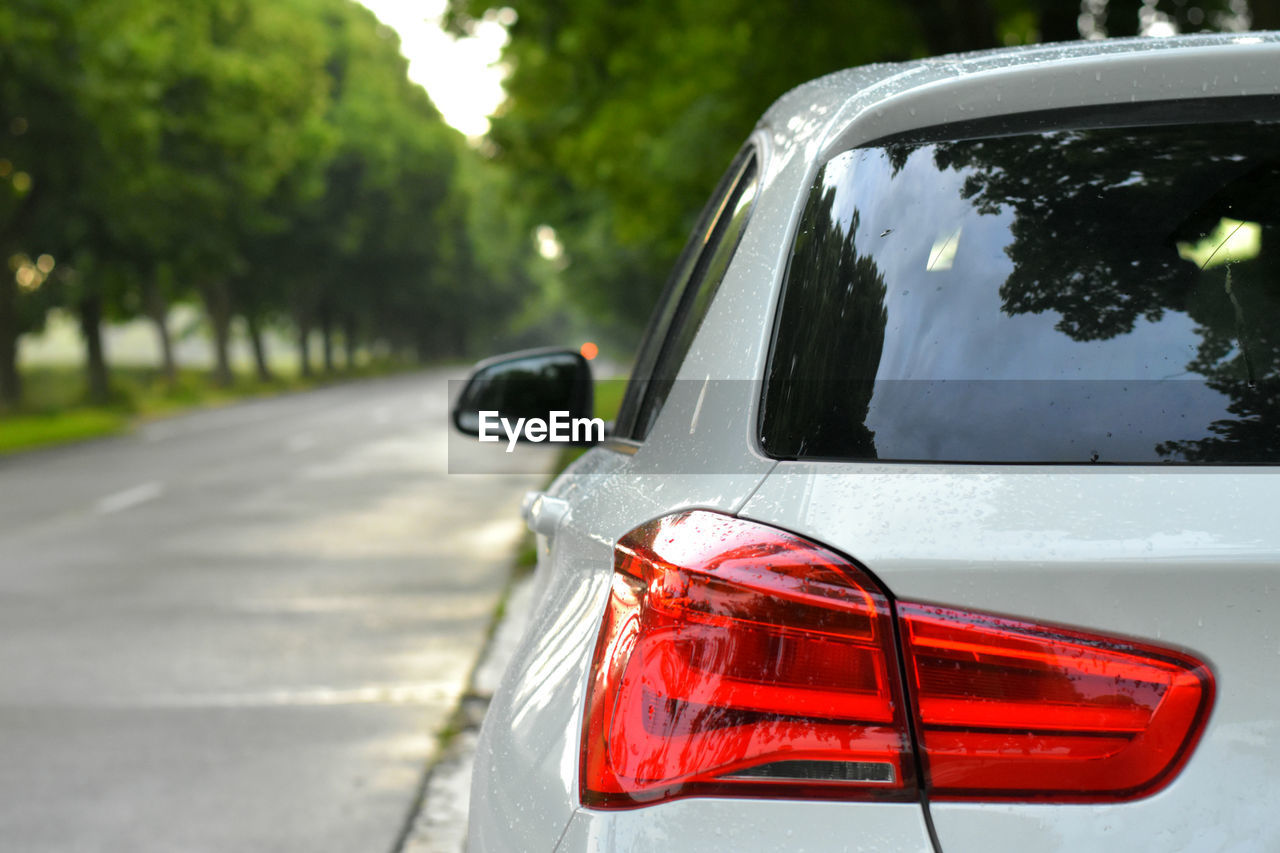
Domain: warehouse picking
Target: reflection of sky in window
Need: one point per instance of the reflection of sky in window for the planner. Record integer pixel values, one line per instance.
(948, 323)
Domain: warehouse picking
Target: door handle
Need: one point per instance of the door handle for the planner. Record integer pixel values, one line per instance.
(543, 513)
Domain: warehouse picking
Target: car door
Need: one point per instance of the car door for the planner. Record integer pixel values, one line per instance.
(609, 490)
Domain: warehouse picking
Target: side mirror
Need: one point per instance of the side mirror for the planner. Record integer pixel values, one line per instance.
(534, 385)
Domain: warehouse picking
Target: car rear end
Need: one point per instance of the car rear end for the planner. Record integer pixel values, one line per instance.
(957, 528)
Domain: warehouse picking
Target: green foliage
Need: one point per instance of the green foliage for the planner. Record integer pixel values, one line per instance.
(272, 160)
(621, 116)
(25, 432)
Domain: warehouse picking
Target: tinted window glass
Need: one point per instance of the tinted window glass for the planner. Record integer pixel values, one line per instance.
(688, 295)
(1104, 294)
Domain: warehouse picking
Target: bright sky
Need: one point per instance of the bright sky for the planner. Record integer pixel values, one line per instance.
(460, 75)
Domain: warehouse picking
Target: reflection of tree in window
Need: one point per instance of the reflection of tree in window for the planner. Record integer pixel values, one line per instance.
(1099, 217)
(841, 300)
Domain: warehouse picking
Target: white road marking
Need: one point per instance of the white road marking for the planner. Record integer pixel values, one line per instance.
(130, 497)
(244, 414)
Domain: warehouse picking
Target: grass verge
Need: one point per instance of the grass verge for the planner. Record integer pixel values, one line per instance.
(54, 409)
(23, 432)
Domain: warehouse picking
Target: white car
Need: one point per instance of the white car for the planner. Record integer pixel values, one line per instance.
(941, 513)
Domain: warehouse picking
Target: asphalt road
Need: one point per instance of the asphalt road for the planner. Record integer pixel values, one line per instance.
(238, 630)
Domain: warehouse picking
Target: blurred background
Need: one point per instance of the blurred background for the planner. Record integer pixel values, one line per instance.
(240, 627)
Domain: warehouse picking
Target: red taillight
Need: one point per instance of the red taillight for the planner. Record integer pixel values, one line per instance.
(736, 659)
(1010, 710)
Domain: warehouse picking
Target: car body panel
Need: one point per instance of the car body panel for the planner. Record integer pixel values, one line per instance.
(1182, 557)
(859, 105)
(785, 826)
(611, 491)
(534, 721)
(1060, 77)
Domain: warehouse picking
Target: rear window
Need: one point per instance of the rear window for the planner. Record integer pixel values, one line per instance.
(1101, 294)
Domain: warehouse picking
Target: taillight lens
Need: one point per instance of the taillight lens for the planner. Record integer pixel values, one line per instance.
(737, 659)
(1006, 709)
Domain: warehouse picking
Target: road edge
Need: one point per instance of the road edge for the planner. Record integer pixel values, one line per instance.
(436, 821)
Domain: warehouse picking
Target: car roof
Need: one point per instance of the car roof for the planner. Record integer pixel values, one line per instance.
(859, 105)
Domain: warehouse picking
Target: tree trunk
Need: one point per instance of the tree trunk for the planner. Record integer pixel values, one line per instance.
(326, 338)
(954, 26)
(259, 347)
(217, 303)
(349, 340)
(158, 311)
(1266, 14)
(95, 358)
(10, 380)
(1058, 20)
(459, 338)
(304, 347)
(11, 236)
(1122, 18)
